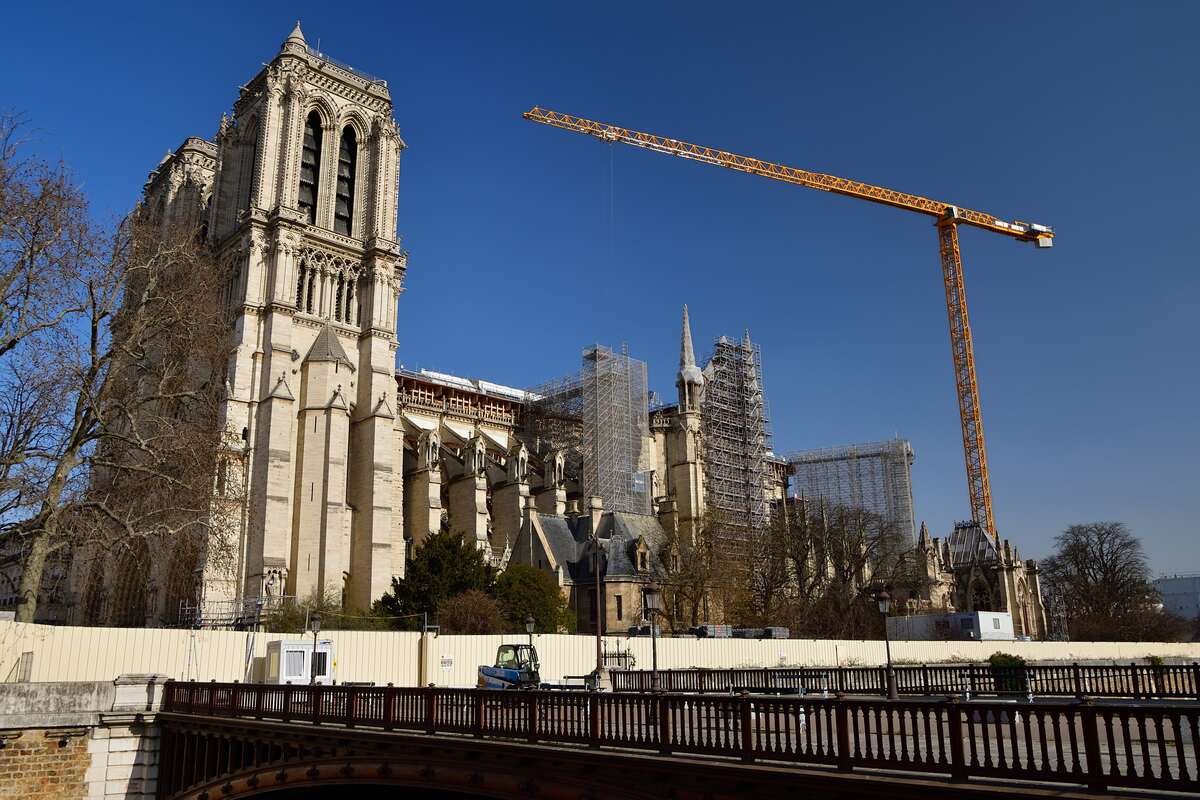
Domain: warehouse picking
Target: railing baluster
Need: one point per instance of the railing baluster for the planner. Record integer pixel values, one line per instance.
(1164, 766)
(745, 709)
(1091, 746)
(531, 709)
(1182, 775)
(1147, 769)
(842, 722)
(958, 757)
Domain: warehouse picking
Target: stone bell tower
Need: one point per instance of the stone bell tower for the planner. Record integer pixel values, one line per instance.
(303, 211)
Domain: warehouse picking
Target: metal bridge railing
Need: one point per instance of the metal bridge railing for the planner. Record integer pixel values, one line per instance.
(1135, 681)
(1097, 744)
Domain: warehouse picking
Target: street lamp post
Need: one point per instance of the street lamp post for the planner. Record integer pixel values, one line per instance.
(652, 604)
(885, 603)
(314, 624)
(530, 624)
(597, 555)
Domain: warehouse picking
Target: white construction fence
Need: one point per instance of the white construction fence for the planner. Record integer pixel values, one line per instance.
(58, 653)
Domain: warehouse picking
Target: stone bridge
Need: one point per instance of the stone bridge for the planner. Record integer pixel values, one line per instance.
(139, 737)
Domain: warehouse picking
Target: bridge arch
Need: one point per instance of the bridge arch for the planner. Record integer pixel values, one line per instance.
(270, 781)
(215, 761)
(463, 781)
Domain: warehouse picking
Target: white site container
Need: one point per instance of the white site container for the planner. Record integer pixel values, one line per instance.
(290, 661)
(960, 626)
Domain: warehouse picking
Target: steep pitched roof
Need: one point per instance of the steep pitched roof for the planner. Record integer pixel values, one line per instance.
(327, 348)
(297, 35)
(626, 530)
(562, 542)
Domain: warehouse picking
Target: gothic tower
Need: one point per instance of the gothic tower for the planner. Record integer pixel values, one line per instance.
(304, 211)
(686, 470)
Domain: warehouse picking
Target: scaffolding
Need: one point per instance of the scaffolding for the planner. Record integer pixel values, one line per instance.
(875, 477)
(737, 438)
(599, 418)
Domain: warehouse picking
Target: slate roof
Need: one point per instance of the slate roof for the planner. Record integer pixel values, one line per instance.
(561, 540)
(626, 530)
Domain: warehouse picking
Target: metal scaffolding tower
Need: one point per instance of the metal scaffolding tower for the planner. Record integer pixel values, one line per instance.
(874, 477)
(600, 418)
(736, 434)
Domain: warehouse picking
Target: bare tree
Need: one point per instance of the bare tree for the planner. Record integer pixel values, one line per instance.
(690, 574)
(837, 555)
(472, 612)
(1099, 577)
(764, 589)
(114, 437)
(44, 238)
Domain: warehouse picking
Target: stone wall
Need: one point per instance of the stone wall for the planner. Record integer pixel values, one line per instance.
(38, 763)
(77, 740)
(124, 761)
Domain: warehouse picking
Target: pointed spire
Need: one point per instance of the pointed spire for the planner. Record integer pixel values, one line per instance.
(295, 40)
(687, 356)
(691, 380)
(923, 540)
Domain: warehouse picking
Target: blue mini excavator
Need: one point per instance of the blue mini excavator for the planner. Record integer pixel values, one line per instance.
(516, 668)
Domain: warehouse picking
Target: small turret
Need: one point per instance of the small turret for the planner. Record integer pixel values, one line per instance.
(295, 40)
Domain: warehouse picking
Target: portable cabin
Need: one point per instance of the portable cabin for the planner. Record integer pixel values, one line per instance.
(292, 661)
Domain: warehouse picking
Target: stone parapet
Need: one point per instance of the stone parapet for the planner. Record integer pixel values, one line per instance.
(86, 739)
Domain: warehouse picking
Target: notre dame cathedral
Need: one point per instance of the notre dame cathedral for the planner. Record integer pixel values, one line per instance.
(346, 463)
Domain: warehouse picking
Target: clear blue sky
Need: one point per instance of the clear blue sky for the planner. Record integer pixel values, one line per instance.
(1081, 116)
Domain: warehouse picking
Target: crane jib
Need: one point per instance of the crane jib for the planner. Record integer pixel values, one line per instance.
(1043, 235)
(949, 217)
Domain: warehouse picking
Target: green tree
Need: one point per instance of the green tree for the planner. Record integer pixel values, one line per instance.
(525, 591)
(444, 566)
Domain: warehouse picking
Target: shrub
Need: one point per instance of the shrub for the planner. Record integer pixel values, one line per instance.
(1008, 673)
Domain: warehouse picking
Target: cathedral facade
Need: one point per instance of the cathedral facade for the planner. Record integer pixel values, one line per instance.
(338, 463)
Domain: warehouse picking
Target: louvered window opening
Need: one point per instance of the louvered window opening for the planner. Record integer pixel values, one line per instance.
(343, 214)
(310, 168)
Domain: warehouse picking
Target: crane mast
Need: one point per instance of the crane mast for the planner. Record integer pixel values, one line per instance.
(947, 218)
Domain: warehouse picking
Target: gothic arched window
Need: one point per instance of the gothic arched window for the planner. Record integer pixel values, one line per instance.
(248, 172)
(343, 211)
(310, 167)
(981, 597)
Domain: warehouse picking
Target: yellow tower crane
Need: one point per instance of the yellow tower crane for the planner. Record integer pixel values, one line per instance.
(947, 218)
